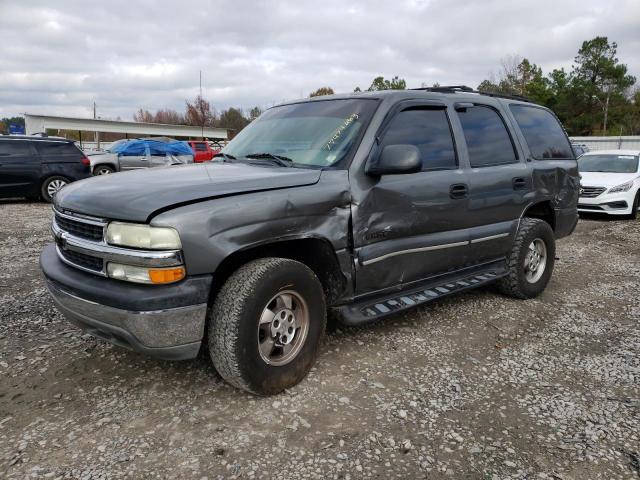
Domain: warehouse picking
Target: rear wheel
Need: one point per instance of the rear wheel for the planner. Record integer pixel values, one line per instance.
(530, 261)
(103, 170)
(266, 325)
(51, 186)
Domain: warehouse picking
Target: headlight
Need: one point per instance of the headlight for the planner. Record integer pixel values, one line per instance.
(135, 274)
(622, 188)
(143, 236)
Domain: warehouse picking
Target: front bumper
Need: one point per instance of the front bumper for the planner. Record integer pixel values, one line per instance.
(166, 321)
(611, 203)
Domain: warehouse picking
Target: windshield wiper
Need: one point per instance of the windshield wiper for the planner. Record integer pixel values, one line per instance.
(277, 159)
(225, 156)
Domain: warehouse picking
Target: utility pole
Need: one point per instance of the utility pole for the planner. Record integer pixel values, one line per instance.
(201, 109)
(97, 134)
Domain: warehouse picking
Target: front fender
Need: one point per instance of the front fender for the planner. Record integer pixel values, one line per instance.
(210, 231)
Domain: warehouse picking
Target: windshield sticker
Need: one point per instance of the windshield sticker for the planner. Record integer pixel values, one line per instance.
(340, 130)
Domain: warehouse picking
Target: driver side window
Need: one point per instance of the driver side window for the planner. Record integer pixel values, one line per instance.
(428, 129)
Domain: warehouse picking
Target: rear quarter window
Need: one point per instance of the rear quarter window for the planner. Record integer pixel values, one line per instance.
(57, 148)
(542, 131)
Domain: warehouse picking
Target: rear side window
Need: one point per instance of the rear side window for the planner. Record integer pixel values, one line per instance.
(200, 147)
(9, 148)
(488, 140)
(544, 135)
(57, 148)
(427, 129)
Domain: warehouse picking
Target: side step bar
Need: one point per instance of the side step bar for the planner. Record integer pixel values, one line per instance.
(372, 309)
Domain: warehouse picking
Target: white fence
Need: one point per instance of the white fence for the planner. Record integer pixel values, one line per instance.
(609, 143)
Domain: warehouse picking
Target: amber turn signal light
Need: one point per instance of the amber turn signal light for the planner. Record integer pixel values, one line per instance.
(166, 275)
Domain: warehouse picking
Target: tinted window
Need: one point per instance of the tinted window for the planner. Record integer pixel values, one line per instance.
(8, 147)
(200, 147)
(488, 141)
(543, 133)
(427, 129)
(57, 148)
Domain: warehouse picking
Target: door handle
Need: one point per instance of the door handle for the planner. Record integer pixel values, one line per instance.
(458, 190)
(519, 183)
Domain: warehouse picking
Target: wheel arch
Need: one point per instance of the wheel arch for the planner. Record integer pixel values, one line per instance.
(542, 210)
(317, 253)
(104, 164)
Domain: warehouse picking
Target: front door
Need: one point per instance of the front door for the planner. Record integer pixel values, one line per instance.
(408, 227)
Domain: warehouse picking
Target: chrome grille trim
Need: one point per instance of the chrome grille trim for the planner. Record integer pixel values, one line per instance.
(67, 241)
(77, 217)
(591, 192)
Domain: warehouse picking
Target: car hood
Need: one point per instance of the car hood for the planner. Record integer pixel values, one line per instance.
(138, 195)
(603, 179)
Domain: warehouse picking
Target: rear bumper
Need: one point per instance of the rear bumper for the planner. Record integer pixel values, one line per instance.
(165, 322)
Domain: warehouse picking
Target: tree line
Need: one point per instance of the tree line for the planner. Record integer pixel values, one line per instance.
(199, 112)
(596, 96)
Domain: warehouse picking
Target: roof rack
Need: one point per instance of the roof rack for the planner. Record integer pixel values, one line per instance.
(465, 89)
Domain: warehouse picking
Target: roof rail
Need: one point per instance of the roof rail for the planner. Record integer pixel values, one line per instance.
(447, 89)
(465, 89)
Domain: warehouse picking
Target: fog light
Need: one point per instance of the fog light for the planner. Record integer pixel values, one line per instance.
(131, 273)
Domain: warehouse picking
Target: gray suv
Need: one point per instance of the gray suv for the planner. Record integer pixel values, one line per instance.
(365, 204)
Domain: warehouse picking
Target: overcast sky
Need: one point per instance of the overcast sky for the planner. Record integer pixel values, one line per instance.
(57, 57)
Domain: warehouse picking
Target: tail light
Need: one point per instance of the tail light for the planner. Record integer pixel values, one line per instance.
(85, 161)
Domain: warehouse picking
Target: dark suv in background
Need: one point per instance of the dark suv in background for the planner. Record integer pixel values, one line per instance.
(37, 167)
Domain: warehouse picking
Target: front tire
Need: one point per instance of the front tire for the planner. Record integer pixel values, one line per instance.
(51, 186)
(531, 260)
(266, 325)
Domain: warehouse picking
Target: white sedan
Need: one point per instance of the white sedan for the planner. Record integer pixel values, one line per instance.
(610, 182)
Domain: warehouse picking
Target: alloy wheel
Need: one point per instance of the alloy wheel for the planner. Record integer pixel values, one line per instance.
(283, 327)
(535, 261)
(54, 186)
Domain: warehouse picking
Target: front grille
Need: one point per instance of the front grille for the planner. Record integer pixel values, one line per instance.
(591, 192)
(81, 260)
(80, 229)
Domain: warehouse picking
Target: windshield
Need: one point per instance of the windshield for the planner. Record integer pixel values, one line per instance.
(608, 163)
(314, 134)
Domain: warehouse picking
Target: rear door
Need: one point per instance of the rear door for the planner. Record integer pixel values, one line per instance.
(20, 168)
(409, 227)
(500, 184)
(61, 157)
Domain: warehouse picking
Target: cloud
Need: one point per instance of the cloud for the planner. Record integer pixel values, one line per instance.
(59, 57)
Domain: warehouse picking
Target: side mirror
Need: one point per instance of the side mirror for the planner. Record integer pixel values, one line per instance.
(395, 160)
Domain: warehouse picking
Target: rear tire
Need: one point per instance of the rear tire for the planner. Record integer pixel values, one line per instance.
(103, 170)
(530, 261)
(266, 325)
(51, 186)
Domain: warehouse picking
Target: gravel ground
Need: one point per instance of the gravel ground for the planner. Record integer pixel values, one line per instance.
(474, 386)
